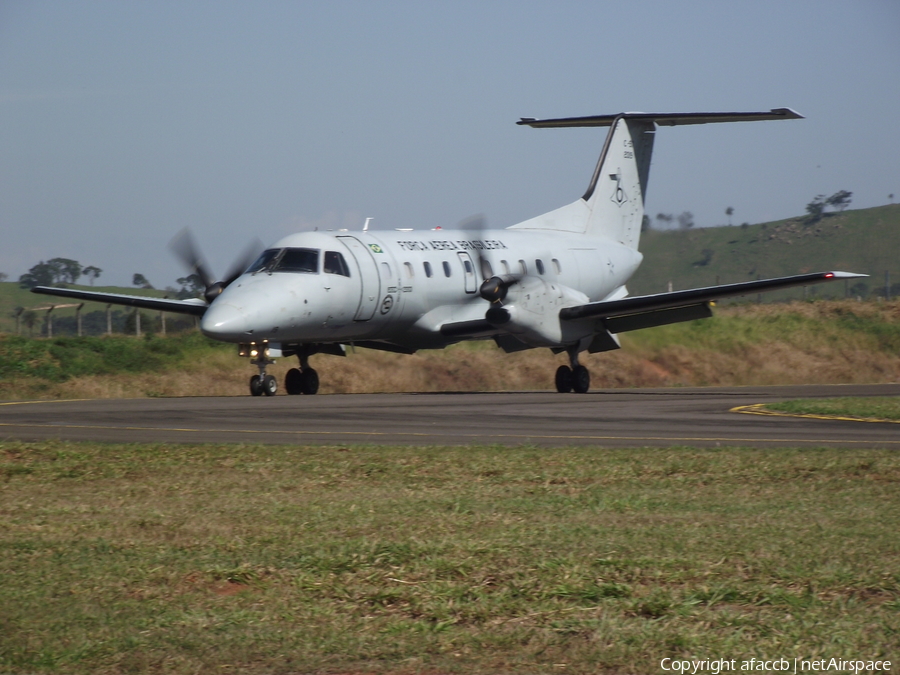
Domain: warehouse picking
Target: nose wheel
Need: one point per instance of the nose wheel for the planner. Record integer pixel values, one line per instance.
(263, 383)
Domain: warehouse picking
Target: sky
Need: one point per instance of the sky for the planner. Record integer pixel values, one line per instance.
(123, 122)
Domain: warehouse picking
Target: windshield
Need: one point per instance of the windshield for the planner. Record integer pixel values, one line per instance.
(298, 260)
(287, 260)
(263, 261)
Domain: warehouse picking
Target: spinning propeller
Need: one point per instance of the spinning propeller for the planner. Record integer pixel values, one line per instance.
(494, 287)
(186, 250)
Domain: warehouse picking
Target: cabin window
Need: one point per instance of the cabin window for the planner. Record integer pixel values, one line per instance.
(540, 265)
(556, 266)
(385, 271)
(446, 268)
(486, 270)
(298, 260)
(523, 268)
(409, 270)
(504, 266)
(335, 264)
(468, 265)
(427, 267)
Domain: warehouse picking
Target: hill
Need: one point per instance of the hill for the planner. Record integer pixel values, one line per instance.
(866, 241)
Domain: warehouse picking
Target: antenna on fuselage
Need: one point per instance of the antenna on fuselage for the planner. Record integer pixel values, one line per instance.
(366, 225)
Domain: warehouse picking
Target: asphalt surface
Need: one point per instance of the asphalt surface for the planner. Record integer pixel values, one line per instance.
(636, 417)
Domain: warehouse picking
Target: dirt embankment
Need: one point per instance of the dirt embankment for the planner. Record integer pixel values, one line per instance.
(797, 343)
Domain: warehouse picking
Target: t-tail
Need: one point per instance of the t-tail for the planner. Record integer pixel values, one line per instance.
(613, 204)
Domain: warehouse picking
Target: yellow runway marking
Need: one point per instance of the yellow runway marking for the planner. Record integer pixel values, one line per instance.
(61, 400)
(759, 409)
(419, 434)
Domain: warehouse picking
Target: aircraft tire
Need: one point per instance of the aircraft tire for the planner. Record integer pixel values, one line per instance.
(309, 382)
(564, 379)
(293, 382)
(255, 386)
(269, 385)
(581, 380)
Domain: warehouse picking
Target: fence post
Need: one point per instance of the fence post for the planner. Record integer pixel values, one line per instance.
(109, 319)
(137, 321)
(50, 322)
(78, 317)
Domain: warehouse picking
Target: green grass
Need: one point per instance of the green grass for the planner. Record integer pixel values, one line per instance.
(876, 407)
(62, 358)
(257, 559)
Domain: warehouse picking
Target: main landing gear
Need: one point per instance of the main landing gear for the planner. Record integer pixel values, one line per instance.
(576, 378)
(304, 380)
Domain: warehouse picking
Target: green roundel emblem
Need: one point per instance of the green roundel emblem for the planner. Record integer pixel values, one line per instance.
(375, 248)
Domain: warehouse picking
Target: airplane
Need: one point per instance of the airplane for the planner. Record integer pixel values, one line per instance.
(555, 281)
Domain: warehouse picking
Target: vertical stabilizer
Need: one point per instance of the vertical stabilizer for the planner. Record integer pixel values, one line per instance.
(613, 205)
(615, 196)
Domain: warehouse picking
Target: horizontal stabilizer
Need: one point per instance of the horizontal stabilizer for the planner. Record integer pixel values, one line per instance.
(662, 119)
(651, 303)
(194, 306)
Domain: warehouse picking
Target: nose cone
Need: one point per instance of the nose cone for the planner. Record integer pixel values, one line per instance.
(223, 321)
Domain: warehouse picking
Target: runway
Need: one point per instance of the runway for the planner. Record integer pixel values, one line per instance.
(632, 417)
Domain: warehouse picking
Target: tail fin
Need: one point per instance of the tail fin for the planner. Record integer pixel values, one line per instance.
(613, 205)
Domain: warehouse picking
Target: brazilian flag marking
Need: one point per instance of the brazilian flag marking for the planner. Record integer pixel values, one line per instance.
(375, 248)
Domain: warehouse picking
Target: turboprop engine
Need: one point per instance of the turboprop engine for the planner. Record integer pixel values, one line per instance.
(528, 307)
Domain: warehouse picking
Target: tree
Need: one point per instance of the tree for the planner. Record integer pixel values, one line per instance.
(728, 212)
(645, 223)
(92, 273)
(815, 209)
(839, 200)
(665, 219)
(41, 274)
(3, 276)
(141, 280)
(686, 220)
(54, 271)
(191, 286)
(66, 270)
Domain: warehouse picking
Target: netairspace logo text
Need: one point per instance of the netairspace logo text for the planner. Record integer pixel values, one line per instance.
(716, 666)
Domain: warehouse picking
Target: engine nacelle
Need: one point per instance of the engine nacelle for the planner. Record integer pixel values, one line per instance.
(530, 311)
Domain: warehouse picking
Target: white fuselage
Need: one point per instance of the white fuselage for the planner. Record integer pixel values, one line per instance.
(402, 287)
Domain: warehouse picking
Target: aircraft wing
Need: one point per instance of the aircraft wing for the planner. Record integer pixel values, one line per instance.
(644, 311)
(193, 306)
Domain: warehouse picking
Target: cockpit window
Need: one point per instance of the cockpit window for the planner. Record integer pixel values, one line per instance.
(298, 260)
(335, 264)
(263, 261)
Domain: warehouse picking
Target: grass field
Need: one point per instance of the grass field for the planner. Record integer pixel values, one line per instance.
(876, 407)
(252, 559)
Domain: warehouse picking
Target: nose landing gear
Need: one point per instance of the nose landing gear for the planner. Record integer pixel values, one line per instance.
(263, 383)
